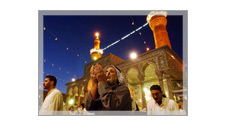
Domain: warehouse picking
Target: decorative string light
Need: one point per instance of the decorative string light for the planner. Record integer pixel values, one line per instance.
(67, 47)
(85, 61)
(63, 43)
(125, 36)
(147, 49)
(59, 68)
(56, 38)
(55, 76)
(139, 32)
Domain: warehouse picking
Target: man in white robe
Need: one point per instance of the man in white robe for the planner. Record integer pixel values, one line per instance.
(161, 105)
(53, 102)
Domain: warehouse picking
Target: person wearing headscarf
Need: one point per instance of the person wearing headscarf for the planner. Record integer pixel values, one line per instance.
(108, 90)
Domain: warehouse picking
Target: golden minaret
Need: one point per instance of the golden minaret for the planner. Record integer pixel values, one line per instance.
(96, 52)
(157, 22)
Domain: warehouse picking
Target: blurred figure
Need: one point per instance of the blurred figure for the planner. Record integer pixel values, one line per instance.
(71, 110)
(182, 111)
(134, 106)
(179, 105)
(82, 106)
(161, 105)
(82, 110)
(54, 99)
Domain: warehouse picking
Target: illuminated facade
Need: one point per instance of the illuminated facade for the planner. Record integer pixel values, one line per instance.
(160, 66)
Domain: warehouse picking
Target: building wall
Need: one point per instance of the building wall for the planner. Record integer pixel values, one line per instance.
(160, 66)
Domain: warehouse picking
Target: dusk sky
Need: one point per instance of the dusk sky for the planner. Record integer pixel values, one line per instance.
(77, 34)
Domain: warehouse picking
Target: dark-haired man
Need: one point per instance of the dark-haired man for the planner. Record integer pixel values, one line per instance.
(54, 99)
(161, 105)
(108, 91)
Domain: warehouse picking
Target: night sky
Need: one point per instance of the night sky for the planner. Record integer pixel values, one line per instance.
(77, 34)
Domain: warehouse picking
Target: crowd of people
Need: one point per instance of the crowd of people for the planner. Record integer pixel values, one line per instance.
(108, 93)
(80, 111)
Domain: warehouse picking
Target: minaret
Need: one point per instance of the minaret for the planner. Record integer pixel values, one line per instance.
(157, 22)
(96, 52)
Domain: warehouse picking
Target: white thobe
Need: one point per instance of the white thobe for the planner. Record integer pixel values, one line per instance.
(52, 103)
(168, 107)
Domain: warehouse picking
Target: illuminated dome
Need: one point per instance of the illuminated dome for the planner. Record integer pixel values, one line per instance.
(153, 13)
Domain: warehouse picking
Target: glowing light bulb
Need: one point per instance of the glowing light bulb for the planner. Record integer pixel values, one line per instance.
(133, 55)
(147, 49)
(73, 79)
(97, 34)
(172, 56)
(71, 101)
(95, 58)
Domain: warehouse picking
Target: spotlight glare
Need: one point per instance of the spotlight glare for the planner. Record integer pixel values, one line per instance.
(133, 55)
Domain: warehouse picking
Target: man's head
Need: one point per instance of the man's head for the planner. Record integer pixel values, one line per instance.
(50, 81)
(156, 93)
(82, 106)
(111, 75)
